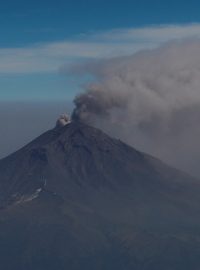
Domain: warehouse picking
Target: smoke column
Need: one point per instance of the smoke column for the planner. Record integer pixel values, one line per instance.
(150, 100)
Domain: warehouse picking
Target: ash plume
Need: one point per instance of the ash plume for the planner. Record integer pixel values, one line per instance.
(63, 120)
(150, 100)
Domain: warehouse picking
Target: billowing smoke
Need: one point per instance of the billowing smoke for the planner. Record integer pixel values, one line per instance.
(63, 120)
(150, 100)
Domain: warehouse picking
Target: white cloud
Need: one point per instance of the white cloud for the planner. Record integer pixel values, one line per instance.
(154, 33)
(48, 57)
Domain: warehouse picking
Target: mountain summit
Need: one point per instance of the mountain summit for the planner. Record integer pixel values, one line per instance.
(77, 199)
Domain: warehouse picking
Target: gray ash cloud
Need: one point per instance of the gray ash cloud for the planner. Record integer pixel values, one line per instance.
(150, 100)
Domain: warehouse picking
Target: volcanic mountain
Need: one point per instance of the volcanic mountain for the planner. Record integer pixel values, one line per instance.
(77, 199)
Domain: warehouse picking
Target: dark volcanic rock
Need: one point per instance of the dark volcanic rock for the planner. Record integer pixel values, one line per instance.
(77, 199)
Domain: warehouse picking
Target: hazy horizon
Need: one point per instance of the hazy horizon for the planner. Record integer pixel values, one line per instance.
(24, 121)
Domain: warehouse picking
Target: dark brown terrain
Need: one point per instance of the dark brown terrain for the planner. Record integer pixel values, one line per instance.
(76, 199)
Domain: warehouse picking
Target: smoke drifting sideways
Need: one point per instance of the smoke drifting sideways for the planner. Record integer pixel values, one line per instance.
(150, 100)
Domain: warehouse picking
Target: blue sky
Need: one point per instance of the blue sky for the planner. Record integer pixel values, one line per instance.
(39, 38)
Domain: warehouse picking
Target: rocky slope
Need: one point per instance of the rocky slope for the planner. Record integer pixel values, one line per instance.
(77, 199)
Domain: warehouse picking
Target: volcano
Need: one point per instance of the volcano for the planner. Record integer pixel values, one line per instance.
(75, 198)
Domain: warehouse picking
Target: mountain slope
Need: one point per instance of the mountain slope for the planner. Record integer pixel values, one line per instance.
(75, 198)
